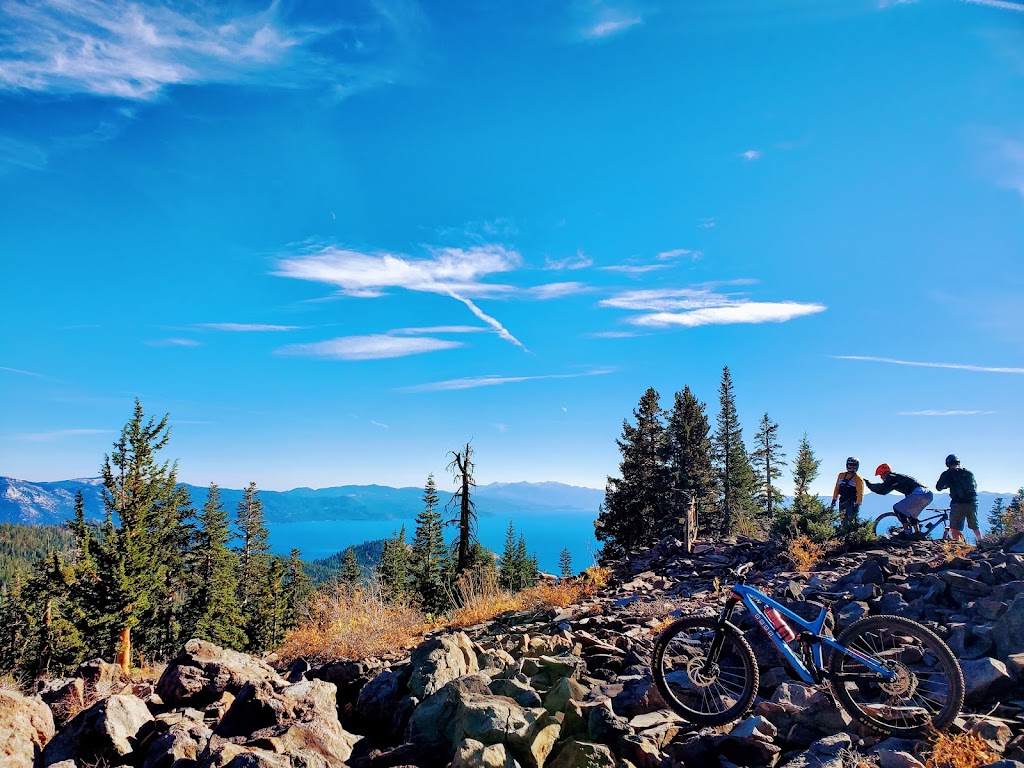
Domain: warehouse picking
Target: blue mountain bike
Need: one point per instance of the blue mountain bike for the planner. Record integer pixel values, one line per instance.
(889, 673)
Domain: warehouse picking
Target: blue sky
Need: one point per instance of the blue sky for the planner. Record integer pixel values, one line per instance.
(336, 244)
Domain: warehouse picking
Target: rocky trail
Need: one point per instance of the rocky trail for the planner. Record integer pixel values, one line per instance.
(564, 688)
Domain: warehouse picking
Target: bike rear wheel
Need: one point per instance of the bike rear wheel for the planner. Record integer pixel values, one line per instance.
(703, 692)
(888, 525)
(927, 691)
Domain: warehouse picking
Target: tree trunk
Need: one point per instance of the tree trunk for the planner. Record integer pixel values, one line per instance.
(690, 524)
(124, 651)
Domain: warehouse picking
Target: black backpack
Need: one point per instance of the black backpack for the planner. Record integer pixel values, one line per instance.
(962, 486)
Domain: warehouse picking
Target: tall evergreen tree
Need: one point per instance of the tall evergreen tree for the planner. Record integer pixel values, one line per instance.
(807, 515)
(136, 488)
(565, 564)
(462, 467)
(217, 615)
(351, 572)
(256, 599)
(635, 505)
(996, 518)
(429, 552)
(394, 567)
(767, 460)
(689, 460)
(1013, 519)
(511, 568)
(735, 475)
(297, 589)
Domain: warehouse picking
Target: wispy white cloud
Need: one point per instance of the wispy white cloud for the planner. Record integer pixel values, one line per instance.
(602, 19)
(492, 381)
(557, 290)
(246, 327)
(919, 364)
(440, 329)
(751, 154)
(634, 269)
(58, 434)
(454, 272)
(379, 424)
(21, 154)
(173, 342)
(21, 372)
(708, 222)
(369, 275)
(372, 347)
(742, 312)
(677, 253)
(1012, 164)
(579, 261)
(1004, 4)
(615, 334)
(944, 413)
(692, 307)
(134, 49)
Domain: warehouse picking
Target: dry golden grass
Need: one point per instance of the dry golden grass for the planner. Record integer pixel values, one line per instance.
(951, 550)
(478, 597)
(597, 576)
(963, 750)
(346, 623)
(804, 553)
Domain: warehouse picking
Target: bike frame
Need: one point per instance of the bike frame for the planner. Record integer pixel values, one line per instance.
(810, 638)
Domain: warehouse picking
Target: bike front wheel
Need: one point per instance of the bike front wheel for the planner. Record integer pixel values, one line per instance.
(887, 525)
(926, 690)
(702, 684)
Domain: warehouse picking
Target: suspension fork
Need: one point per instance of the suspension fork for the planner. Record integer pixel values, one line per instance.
(716, 643)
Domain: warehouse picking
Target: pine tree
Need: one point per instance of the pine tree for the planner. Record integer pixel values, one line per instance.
(565, 564)
(297, 589)
(635, 504)
(217, 615)
(256, 599)
(996, 518)
(1013, 519)
(136, 488)
(429, 552)
(351, 572)
(689, 460)
(767, 460)
(394, 567)
(508, 572)
(461, 467)
(807, 515)
(735, 475)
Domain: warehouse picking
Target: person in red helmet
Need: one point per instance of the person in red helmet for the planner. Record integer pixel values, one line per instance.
(915, 496)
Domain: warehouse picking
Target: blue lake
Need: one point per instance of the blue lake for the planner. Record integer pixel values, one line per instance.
(546, 536)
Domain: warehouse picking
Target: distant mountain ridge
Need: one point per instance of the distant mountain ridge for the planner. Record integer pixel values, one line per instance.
(50, 503)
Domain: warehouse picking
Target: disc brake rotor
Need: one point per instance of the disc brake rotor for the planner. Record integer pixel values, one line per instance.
(700, 678)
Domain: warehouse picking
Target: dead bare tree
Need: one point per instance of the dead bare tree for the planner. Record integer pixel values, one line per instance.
(461, 467)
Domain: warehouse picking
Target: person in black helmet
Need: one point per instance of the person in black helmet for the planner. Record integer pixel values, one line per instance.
(849, 491)
(963, 496)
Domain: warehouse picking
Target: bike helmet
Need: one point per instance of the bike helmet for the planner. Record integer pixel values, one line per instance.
(853, 461)
(952, 460)
(882, 469)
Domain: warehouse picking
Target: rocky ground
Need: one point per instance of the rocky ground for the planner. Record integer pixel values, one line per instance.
(564, 688)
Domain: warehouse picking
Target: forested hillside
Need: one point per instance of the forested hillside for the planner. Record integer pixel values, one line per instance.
(21, 546)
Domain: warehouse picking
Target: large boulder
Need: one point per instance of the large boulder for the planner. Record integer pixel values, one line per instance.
(583, 754)
(300, 720)
(64, 696)
(1008, 631)
(474, 754)
(440, 660)
(178, 747)
(384, 705)
(107, 731)
(26, 725)
(465, 709)
(203, 671)
(985, 678)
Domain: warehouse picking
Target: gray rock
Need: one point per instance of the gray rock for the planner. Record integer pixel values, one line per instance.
(106, 731)
(440, 660)
(384, 705)
(583, 754)
(639, 695)
(985, 677)
(474, 754)
(888, 758)
(994, 732)
(179, 747)
(26, 725)
(518, 689)
(562, 692)
(1008, 631)
(203, 671)
(65, 698)
(300, 720)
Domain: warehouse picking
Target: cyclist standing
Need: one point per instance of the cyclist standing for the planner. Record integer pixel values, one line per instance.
(849, 491)
(963, 495)
(916, 496)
